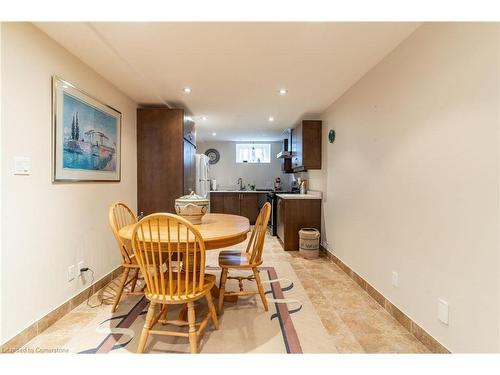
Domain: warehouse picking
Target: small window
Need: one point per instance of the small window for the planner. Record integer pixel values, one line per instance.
(253, 153)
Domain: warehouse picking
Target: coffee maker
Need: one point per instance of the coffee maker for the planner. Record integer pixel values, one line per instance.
(277, 184)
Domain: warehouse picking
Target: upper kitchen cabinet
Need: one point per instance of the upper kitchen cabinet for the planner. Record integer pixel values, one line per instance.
(306, 146)
(165, 158)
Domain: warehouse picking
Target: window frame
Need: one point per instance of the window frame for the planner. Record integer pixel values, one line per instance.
(249, 146)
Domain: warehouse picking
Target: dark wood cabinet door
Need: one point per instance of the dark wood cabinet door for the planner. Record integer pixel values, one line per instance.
(189, 167)
(280, 219)
(286, 165)
(159, 159)
(232, 203)
(293, 215)
(306, 140)
(311, 144)
(217, 203)
(249, 206)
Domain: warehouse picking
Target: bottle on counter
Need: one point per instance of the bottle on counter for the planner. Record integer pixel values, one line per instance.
(213, 185)
(303, 187)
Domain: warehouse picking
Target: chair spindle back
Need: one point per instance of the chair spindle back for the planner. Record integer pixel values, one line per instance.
(120, 215)
(170, 252)
(256, 242)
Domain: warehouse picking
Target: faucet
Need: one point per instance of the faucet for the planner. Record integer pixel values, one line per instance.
(240, 182)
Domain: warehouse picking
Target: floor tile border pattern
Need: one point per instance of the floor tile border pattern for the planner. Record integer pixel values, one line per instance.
(425, 338)
(45, 322)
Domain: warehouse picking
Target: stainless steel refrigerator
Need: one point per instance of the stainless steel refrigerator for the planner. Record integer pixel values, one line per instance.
(202, 179)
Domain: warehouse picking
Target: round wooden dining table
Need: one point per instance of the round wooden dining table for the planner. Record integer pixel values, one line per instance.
(217, 230)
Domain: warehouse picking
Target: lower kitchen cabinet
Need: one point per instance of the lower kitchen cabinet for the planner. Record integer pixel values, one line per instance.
(292, 216)
(232, 203)
(249, 206)
(243, 204)
(217, 203)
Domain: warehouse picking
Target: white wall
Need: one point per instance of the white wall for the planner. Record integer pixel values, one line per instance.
(227, 171)
(1, 162)
(47, 227)
(412, 180)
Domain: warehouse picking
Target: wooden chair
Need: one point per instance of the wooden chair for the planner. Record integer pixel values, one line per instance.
(121, 215)
(159, 240)
(250, 259)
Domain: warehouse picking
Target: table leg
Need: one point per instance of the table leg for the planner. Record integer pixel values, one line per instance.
(215, 293)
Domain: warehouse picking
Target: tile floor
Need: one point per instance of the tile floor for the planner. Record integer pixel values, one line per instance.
(355, 321)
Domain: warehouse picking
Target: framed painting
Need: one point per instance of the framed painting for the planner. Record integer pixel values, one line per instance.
(86, 136)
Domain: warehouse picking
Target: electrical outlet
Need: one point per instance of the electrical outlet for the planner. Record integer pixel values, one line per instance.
(395, 279)
(71, 272)
(81, 264)
(443, 311)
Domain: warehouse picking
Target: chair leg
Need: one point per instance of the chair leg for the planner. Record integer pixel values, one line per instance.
(164, 313)
(120, 291)
(222, 288)
(211, 308)
(146, 328)
(134, 282)
(193, 337)
(261, 289)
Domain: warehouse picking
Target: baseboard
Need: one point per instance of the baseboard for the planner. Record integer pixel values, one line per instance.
(425, 338)
(45, 322)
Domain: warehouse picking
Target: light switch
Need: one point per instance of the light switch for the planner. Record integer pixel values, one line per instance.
(443, 311)
(395, 279)
(22, 165)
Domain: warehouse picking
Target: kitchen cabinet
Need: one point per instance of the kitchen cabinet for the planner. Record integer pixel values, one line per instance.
(292, 216)
(165, 159)
(249, 206)
(217, 203)
(234, 203)
(306, 146)
(280, 223)
(286, 165)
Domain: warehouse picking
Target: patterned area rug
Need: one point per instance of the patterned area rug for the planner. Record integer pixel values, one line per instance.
(290, 326)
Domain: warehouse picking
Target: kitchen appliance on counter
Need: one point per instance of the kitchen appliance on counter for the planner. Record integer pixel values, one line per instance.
(277, 184)
(213, 185)
(202, 166)
(272, 198)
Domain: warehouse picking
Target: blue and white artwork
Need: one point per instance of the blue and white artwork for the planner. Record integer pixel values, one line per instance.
(90, 136)
(86, 136)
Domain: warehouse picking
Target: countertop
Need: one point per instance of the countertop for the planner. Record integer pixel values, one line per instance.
(241, 191)
(309, 195)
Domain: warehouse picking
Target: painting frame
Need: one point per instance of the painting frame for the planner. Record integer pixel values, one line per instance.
(90, 156)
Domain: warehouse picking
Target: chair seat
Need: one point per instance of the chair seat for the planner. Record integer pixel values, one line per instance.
(234, 259)
(209, 282)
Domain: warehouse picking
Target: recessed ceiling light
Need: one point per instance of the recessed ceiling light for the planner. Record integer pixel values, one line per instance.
(187, 90)
(283, 91)
(214, 134)
(271, 119)
(204, 118)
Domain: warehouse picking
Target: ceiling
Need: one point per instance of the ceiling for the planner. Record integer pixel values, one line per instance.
(235, 70)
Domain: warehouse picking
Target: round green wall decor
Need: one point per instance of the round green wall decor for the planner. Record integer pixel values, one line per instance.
(331, 136)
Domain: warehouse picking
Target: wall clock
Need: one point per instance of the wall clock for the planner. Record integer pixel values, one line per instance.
(331, 136)
(213, 155)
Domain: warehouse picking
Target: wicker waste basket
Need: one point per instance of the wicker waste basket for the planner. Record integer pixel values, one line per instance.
(309, 242)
